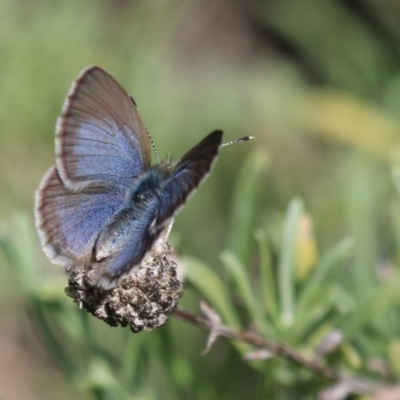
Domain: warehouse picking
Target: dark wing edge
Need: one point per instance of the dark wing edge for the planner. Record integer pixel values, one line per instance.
(191, 171)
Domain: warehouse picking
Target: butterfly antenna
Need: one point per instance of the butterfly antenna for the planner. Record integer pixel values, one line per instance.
(154, 147)
(148, 134)
(172, 165)
(239, 140)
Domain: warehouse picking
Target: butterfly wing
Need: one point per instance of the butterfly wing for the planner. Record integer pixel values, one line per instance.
(100, 137)
(189, 173)
(69, 222)
(101, 146)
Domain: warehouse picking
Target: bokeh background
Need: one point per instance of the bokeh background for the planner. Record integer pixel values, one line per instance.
(318, 84)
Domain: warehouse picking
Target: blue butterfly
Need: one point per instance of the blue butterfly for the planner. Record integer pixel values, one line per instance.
(103, 205)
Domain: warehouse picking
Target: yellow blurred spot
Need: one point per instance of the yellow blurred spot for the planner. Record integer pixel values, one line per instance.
(349, 120)
(306, 252)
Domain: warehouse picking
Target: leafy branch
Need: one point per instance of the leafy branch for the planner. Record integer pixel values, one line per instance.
(212, 324)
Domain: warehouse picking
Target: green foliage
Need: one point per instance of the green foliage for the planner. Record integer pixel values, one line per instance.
(265, 291)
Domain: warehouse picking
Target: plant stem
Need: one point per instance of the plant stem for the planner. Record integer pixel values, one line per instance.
(256, 340)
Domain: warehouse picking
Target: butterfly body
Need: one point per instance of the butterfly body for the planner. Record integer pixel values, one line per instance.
(103, 205)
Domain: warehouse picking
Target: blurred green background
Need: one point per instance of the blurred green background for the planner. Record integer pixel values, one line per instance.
(310, 208)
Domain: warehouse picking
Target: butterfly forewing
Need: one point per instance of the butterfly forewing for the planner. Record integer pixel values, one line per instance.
(100, 137)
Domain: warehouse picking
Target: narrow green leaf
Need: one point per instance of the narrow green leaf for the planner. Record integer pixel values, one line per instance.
(345, 301)
(69, 321)
(286, 262)
(241, 279)
(210, 286)
(59, 352)
(313, 288)
(313, 318)
(183, 371)
(361, 186)
(384, 297)
(268, 282)
(244, 204)
(101, 382)
(130, 359)
(26, 244)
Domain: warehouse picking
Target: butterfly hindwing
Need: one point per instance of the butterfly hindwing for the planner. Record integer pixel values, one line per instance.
(133, 240)
(68, 222)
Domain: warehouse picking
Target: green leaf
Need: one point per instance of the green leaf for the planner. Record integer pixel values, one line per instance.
(384, 297)
(286, 262)
(313, 289)
(101, 382)
(241, 279)
(361, 187)
(268, 282)
(244, 205)
(130, 359)
(22, 250)
(59, 351)
(212, 288)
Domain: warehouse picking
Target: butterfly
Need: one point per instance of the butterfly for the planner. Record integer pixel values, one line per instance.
(103, 205)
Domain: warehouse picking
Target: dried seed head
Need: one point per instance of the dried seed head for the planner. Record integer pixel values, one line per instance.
(143, 300)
